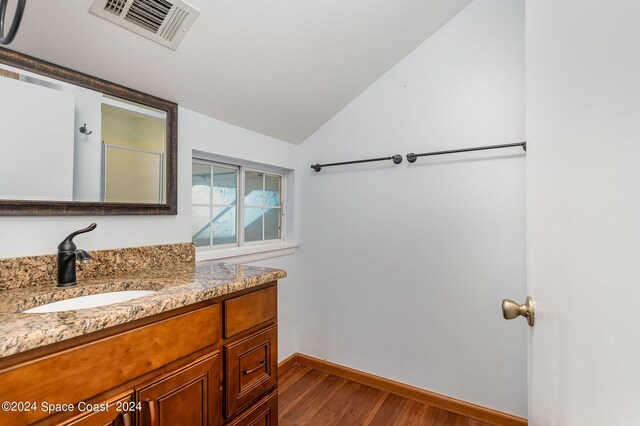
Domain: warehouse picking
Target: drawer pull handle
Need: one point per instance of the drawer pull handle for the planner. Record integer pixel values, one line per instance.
(152, 411)
(125, 419)
(253, 370)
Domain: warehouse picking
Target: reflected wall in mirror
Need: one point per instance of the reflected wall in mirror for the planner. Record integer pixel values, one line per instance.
(75, 144)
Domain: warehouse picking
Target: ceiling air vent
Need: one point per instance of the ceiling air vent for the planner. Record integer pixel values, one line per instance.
(115, 6)
(163, 21)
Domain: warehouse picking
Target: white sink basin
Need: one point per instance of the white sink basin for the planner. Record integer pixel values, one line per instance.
(91, 301)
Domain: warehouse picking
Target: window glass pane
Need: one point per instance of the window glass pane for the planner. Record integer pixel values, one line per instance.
(224, 225)
(215, 193)
(272, 224)
(200, 183)
(252, 224)
(225, 182)
(272, 190)
(200, 228)
(253, 189)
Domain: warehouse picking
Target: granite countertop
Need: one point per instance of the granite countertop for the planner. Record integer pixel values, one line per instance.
(177, 286)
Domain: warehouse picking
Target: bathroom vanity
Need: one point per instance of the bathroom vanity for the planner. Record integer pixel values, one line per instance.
(201, 350)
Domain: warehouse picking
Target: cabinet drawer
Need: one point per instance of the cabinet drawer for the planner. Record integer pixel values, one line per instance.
(120, 412)
(189, 396)
(251, 310)
(251, 369)
(265, 413)
(81, 372)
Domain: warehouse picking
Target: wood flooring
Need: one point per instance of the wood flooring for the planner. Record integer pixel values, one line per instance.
(311, 397)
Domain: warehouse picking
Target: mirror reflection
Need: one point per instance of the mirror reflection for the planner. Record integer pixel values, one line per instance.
(62, 142)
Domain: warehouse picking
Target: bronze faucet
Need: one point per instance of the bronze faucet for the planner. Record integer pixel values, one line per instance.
(68, 253)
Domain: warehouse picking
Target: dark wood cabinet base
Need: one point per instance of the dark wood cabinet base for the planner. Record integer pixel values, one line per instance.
(176, 369)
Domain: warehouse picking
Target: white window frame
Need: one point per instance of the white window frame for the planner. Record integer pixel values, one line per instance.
(212, 205)
(282, 238)
(240, 206)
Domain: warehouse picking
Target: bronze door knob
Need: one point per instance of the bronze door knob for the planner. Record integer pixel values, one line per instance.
(511, 310)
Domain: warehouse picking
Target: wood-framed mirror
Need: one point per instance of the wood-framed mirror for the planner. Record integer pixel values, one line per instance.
(73, 144)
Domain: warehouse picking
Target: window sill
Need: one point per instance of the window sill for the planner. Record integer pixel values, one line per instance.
(247, 254)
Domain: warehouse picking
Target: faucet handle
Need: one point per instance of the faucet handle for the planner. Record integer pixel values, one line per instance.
(84, 231)
(68, 245)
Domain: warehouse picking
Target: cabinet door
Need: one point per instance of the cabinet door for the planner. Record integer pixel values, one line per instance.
(118, 411)
(251, 369)
(189, 396)
(265, 413)
(83, 371)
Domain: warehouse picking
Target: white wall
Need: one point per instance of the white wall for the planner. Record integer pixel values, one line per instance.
(36, 143)
(403, 267)
(24, 236)
(583, 123)
(84, 161)
(87, 152)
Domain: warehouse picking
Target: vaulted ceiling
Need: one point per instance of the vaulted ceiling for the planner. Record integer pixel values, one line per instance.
(279, 67)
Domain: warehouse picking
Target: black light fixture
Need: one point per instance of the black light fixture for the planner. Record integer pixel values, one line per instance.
(17, 18)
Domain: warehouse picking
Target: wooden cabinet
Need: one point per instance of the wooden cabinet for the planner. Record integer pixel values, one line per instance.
(118, 411)
(250, 312)
(91, 368)
(264, 413)
(189, 396)
(251, 368)
(207, 364)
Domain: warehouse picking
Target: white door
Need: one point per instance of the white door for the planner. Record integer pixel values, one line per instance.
(583, 166)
